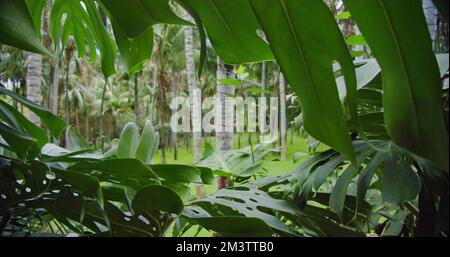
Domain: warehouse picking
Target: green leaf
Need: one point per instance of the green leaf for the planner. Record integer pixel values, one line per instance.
(16, 119)
(105, 43)
(117, 167)
(136, 16)
(136, 51)
(83, 22)
(157, 197)
(232, 29)
(128, 141)
(322, 173)
(116, 195)
(400, 183)
(17, 28)
(412, 94)
(356, 40)
(54, 124)
(88, 185)
(235, 226)
(251, 203)
(308, 64)
(177, 173)
(75, 142)
(35, 8)
(140, 224)
(202, 33)
(344, 15)
(18, 141)
(207, 175)
(148, 143)
(232, 82)
(337, 198)
(366, 175)
(33, 185)
(69, 205)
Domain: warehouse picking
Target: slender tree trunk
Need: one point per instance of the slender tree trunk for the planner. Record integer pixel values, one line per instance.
(174, 134)
(431, 15)
(86, 125)
(191, 79)
(34, 71)
(108, 129)
(55, 79)
(262, 115)
(225, 114)
(15, 91)
(162, 102)
(274, 121)
(283, 122)
(151, 109)
(100, 122)
(67, 101)
(136, 97)
(69, 55)
(77, 118)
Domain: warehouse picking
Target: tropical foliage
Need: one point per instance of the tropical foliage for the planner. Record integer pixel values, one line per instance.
(376, 100)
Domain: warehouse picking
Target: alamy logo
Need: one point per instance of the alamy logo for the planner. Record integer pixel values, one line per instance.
(225, 114)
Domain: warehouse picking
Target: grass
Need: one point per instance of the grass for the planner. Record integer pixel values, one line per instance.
(272, 164)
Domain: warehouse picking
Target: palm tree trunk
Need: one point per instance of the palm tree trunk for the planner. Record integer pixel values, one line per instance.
(225, 114)
(431, 15)
(136, 97)
(174, 134)
(108, 129)
(262, 114)
(34, 71)
(55, 79)
(190, 72)
(151, 108)
(69, 55)
(283, 123)
(274, 121)
(14, 83)
(162, 102)
(100, 122)
(77, 118)
(86, 125)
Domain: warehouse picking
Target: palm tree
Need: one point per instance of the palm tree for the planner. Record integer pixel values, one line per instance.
(224, 114)
(192, 83)
(136, 97)
(431, 15)
(262, 114)
(283, 122)
(34, 72)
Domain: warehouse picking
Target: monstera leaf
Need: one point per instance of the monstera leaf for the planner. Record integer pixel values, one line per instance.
(83, 22)
(411, 79)
(17, 27)
(244, 162)
(308, 64)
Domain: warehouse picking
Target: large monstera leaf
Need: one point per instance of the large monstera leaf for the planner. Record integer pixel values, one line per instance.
(136, 51)
(84, 23)
(17, 27)
(232, 29)
(136, 16)
(411, 80)
(306, 46)
(243, 202)
(244, 163)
